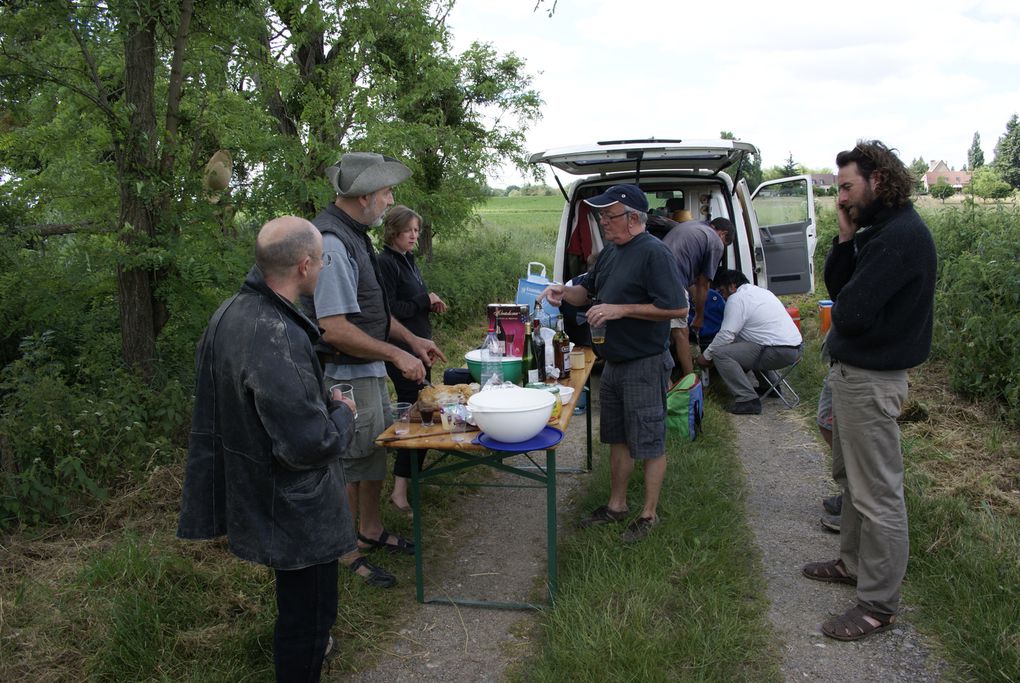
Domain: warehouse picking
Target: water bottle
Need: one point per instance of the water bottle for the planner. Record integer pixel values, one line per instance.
(492, 359)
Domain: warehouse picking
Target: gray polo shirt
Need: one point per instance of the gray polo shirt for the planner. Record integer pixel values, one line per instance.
(336, 294)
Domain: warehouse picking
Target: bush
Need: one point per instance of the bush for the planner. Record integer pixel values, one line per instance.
(64, 444)
(977, 301)
(471, 273)
(942, 190)
(977, 297)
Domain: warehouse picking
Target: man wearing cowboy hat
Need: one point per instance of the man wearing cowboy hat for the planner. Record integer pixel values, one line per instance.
(353, 312)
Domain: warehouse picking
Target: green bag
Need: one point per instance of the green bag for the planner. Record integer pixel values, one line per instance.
(685, 406)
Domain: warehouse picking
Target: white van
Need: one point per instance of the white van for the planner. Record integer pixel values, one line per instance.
(774, 239)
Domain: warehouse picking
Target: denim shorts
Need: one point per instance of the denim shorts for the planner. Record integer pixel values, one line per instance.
(632, 398)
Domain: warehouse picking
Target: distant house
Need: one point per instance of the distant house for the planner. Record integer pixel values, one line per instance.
(823, 181)
(938, 169)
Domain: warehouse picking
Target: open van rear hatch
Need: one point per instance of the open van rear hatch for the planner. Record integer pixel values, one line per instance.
(706, 157)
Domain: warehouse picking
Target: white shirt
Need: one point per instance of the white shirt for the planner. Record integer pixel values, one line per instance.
(755, 314)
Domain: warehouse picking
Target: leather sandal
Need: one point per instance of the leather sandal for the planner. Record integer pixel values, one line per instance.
(602, 515)
(852, 624)
(401, 547)
(833, 571)
(377, 576)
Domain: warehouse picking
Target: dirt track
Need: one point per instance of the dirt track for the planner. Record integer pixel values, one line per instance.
(779, 454)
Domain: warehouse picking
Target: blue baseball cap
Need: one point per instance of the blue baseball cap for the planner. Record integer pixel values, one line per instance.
(630, 196)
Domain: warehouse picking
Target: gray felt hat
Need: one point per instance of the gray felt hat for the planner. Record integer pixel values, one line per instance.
(361, 173)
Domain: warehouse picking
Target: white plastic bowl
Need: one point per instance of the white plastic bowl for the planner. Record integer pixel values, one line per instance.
(566, 393)
(512, 415)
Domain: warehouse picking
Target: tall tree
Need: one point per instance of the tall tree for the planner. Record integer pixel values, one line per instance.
(1007, 153)
(790, 167)
(110, 110)
(918, 168)
(104, 61)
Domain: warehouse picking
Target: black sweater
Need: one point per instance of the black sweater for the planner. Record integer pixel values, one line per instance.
(407, 293)
(882, 284)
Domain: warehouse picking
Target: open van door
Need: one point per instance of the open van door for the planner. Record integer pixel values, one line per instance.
(784, 210)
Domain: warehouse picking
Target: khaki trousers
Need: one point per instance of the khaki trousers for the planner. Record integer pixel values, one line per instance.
(868, 464)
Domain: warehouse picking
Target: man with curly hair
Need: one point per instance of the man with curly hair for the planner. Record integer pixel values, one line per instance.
(880, 273)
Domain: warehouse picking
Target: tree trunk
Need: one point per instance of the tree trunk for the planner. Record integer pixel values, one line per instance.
(138, 171)
(425, 240)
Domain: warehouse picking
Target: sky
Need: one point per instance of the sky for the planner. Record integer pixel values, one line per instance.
(799, 78)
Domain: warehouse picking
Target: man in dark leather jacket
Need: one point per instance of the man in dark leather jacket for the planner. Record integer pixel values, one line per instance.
(264, 455)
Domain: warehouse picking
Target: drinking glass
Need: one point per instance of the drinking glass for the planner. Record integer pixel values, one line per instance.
(427, 412)
(402, 417)
(345, 390)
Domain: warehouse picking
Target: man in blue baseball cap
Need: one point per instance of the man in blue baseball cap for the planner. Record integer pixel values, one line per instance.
(634, 290)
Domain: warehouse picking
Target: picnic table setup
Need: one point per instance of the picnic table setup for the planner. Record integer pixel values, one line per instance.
(455, 445)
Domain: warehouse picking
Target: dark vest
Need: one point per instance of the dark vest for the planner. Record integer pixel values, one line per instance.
(374, 318)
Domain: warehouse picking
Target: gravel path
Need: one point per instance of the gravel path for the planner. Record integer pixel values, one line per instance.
(507, 562)
(506, 531)
(787, 475)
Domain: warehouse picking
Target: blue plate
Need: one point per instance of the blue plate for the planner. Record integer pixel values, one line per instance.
(547, 438)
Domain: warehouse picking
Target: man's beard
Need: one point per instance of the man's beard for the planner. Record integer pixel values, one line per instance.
(866, 214)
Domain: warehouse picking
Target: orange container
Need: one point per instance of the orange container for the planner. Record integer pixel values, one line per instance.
(824, 316)
(795, 314)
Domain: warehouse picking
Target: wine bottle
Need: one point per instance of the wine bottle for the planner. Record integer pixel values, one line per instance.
(538, 349)
(561, 349)
(526, 356)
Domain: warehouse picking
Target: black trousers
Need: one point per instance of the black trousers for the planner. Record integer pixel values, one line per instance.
(306, 602)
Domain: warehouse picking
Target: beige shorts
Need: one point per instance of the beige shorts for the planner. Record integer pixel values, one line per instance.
(678, 323)
(363, 460)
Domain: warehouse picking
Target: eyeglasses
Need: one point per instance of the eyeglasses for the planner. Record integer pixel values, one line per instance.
(605, 218)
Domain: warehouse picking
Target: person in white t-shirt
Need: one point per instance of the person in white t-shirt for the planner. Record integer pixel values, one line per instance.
(756, 333)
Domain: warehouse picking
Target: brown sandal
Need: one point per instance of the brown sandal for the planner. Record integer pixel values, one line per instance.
(852, 625)
(833, 571)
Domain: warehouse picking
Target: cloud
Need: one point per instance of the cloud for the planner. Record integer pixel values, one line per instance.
(800, 78)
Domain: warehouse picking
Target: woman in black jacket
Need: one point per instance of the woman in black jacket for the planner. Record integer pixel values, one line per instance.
(411, 303)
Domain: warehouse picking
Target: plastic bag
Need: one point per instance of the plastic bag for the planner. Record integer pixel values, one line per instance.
(528, 289)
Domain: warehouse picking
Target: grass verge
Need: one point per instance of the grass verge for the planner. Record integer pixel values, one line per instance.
(690, 606)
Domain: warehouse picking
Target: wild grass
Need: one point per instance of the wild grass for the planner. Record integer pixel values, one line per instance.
(688, 606)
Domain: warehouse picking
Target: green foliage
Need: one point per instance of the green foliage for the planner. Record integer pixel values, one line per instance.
(977, 327)
(975, 155)
(977, 297)
(918, 169)
(286, 88)
(790, 167)
(988, 184)
(66, 443)
(472, 272)
(1007, 153)
(942, 190)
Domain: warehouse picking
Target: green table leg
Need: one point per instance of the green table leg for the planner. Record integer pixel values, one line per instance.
(550, 532)
(587, 416)
(419, 574)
